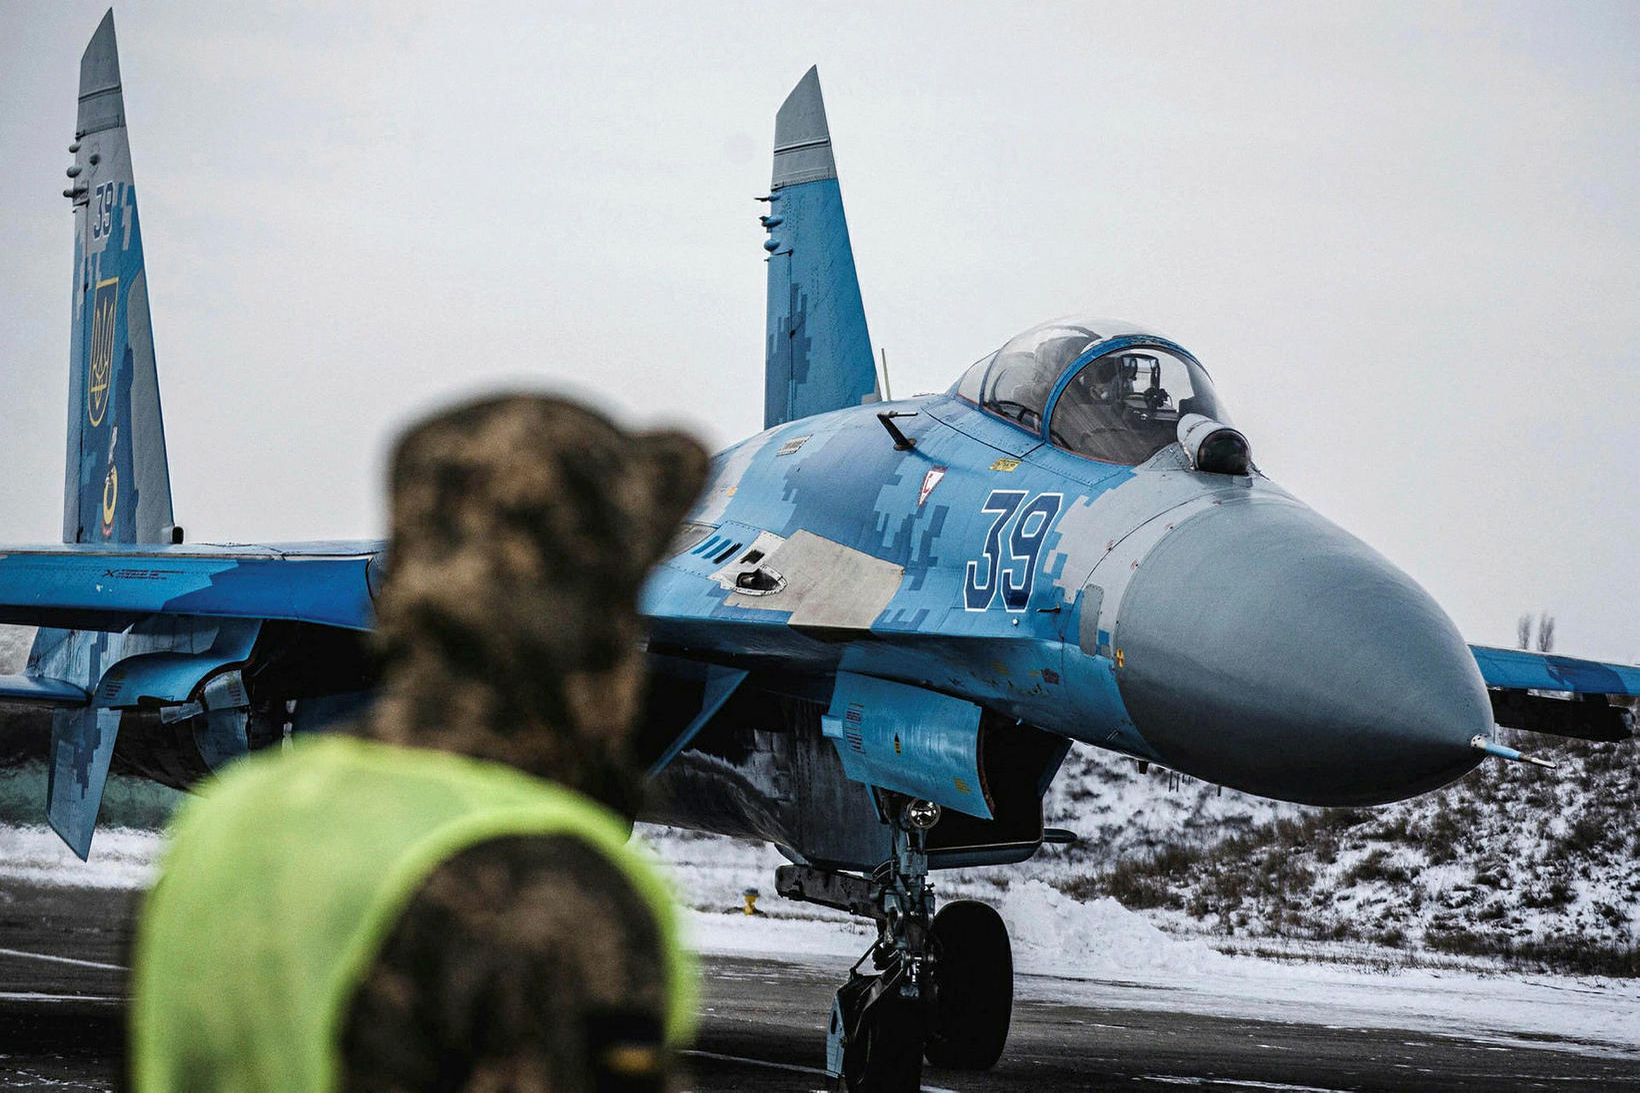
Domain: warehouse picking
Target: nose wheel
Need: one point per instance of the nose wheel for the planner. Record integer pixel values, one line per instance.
(971, 965)
(940, 985)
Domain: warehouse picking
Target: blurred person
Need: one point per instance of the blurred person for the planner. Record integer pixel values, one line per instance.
(443, 898)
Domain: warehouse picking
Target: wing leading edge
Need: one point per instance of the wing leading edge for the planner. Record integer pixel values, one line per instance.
(1523, 670)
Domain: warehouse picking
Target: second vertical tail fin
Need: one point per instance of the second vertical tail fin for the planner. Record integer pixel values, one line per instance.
(818, 350)
(117, 484)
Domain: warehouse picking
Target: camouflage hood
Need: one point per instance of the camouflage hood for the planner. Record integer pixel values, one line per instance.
(522, 529)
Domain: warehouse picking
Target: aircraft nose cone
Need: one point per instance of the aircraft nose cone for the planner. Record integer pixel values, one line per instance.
(1266, 649)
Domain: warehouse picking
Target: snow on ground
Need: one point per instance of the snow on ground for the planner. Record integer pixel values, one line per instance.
(1121, 812)
(121, 857)
(1091, 953)
(1054, 934)
(1543, 867)
(14, 646)
(1099, 954)
(820, 942)
(1091, 950)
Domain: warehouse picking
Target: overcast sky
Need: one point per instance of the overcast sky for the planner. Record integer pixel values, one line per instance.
(1405, 239)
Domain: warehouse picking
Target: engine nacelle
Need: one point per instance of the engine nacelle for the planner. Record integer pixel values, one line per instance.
(910, 740)
(764, 768)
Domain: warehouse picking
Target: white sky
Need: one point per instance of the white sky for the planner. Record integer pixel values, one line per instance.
(1405, 239)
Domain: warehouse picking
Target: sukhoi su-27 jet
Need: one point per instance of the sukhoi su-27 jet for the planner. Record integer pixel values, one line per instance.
(876, 636)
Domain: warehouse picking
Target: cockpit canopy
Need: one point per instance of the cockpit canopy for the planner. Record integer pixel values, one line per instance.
(1108, 391)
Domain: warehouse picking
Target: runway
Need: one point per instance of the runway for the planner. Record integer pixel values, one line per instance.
(62, 958)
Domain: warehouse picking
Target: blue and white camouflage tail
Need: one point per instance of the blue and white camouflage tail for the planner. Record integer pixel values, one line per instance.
(818, 351)
(117, 486)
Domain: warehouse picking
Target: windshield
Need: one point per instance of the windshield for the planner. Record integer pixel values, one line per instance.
(1025, 370)
(1125, 406)
(1121, 407)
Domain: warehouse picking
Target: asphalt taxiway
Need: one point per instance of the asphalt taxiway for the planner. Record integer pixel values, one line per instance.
(62, 959)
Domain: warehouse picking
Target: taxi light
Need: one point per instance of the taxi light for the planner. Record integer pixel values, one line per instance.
(1213, 446)
(922, 815)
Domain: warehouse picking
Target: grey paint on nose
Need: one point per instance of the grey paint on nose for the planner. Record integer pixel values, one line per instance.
(1267, 649)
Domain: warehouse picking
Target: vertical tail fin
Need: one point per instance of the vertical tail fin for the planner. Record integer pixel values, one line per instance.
(117, 485)
(818, 350)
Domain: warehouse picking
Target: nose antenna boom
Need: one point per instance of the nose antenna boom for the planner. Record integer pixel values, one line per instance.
(1498, 751)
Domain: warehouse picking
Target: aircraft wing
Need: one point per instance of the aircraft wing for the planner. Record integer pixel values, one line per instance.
(125, 623)
(1520, 669)
(107, 588)
(1514, 678)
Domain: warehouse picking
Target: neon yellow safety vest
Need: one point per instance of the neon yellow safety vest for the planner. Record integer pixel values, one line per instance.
(284, 878)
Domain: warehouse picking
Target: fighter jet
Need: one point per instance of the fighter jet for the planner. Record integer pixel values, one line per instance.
(876, 636)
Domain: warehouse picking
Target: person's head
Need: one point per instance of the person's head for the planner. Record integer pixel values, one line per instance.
(1102, 372)
(522, 529)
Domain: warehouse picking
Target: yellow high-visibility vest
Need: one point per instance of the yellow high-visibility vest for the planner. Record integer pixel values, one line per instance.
(285, 876)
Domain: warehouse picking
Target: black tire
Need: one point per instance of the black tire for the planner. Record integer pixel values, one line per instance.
(973, 987)
(886, 1054)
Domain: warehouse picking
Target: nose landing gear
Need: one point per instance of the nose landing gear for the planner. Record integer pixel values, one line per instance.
(941, 985)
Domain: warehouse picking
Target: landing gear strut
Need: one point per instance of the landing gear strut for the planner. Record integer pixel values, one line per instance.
(940, 984)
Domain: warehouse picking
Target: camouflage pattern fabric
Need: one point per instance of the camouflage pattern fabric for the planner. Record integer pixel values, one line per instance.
(522, 528)
(522, 964)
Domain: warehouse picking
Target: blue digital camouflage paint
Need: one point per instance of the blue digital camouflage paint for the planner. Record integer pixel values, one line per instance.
(118, 485)
(818, 353)
(936, 609)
